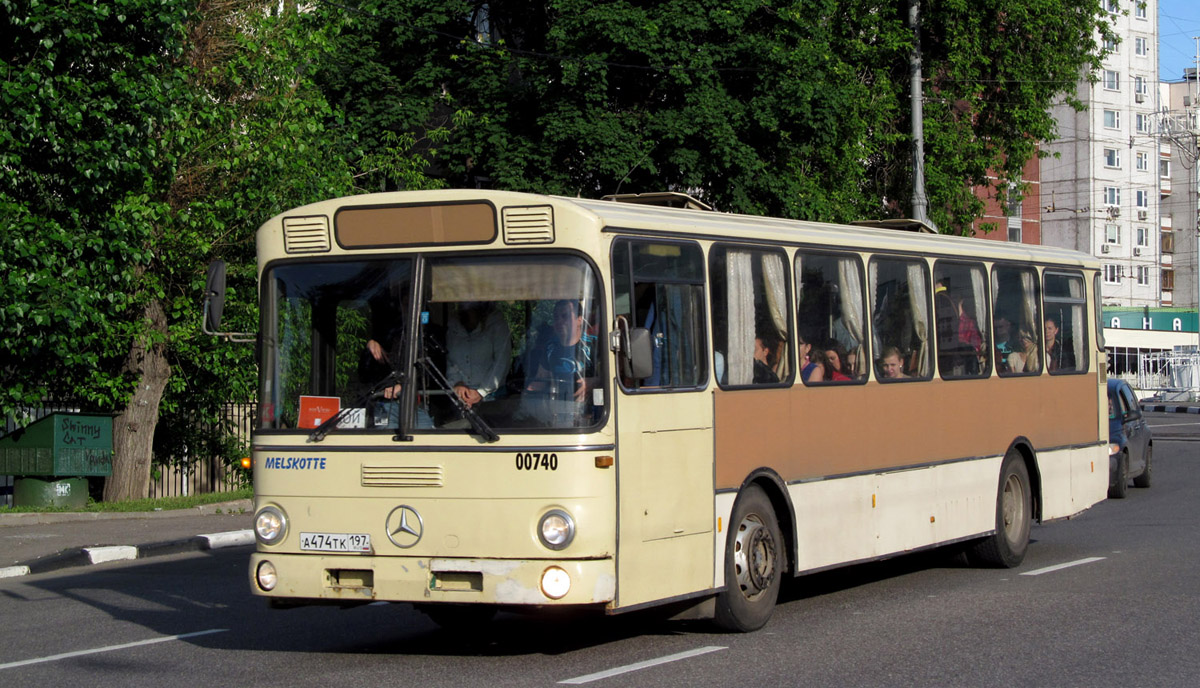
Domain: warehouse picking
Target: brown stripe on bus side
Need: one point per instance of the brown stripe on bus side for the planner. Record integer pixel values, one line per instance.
(812, 432)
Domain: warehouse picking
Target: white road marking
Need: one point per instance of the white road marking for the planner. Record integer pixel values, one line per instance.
(1059, 567)
(617, 671)
(110, 648)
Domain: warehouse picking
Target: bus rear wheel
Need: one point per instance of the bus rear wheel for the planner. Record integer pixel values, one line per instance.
(1014, 517)
(754, 564)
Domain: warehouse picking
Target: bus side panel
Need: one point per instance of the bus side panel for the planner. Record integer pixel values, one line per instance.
(1071, 480)
(821, 432)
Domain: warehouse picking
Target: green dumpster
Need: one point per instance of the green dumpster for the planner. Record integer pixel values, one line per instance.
(53, 456)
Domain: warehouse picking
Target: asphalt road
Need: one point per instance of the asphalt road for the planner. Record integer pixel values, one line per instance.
(1121, 612)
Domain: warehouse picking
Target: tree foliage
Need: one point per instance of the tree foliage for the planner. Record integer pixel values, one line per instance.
(142, 139)
(796, 108)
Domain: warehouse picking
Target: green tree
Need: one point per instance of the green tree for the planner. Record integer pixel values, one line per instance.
(796, 108)
(141, 139)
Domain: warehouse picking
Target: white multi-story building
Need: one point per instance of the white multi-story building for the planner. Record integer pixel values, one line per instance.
(1180, 187)
(1100, 188)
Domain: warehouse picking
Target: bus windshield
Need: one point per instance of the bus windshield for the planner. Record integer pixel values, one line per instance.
(512, 340)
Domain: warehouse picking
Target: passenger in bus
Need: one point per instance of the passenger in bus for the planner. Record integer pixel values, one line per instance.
(1025, 359)
(479, 351)
(566, 366)
(891, 364)
(835, 362)
(1004, 344)
(764, 373)
(1059, 354)
(809, 370)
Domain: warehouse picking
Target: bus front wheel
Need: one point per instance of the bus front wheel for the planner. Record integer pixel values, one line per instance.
(1014, 517)
(754, 564)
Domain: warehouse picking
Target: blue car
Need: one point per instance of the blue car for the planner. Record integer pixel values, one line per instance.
(1130, 447)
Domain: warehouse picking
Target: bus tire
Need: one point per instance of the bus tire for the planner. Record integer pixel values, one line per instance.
(755, 560)
(1143, 480)
(1120, 488)
(1014, 517)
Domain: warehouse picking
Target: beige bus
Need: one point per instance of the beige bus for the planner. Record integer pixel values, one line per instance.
(481, 400)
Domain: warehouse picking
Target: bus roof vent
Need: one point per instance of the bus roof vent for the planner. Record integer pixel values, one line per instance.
(306, 234)
(528, 224)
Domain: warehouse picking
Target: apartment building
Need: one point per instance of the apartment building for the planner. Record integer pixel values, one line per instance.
(1100, 189)
(1179, 188)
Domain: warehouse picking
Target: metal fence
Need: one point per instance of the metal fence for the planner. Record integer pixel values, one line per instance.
(180, 476)
(1170, 375)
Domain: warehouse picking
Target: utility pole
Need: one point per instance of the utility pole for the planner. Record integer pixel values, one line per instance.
(920, 203)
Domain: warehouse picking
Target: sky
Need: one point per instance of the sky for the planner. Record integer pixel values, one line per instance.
(1178, 21)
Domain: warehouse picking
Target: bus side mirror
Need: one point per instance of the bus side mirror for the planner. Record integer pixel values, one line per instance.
(639, 363)
(214, 297)
(214, 305)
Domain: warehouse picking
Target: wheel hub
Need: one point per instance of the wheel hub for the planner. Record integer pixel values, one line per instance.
(754, 557)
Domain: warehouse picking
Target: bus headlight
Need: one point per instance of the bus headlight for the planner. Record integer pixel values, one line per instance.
(267, 578)
(556, 530)
(270, 525)
(556, 583)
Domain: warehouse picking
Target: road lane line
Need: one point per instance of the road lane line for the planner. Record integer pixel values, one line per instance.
(617, 671)
(110, 648)
(1059, 567)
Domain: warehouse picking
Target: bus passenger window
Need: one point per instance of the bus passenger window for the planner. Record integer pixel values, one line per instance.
(1015, 321)
(1065, 323)
(960, 320)
(750, 316)
(660, 287)
(900, 316)
(829, 322)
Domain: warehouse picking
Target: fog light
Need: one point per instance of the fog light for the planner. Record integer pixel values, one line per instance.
(267, 577)
(270, 525)
(556, 583)
(556, 530)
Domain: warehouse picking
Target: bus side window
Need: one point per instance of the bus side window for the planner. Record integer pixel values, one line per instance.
(660, 287)
(1016, 321)
(960, 320)
(900, 295)
(830, 316)
(1065, 324)
(750, 311)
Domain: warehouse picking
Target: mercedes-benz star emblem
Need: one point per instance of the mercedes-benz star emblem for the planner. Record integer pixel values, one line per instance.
(404, 526)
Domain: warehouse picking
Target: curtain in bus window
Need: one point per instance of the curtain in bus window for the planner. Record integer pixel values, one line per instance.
(776, 294)
(1029, 313)
(739, 359)
(685, 332)
(979, 296)
(850, 285)
(1079, 341)
(920, 314)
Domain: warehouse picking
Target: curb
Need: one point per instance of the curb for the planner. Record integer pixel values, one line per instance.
(85, 556)
(44, 517)
(1170, 408)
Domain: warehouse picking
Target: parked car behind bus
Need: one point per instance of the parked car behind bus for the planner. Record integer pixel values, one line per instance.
(1130, 448)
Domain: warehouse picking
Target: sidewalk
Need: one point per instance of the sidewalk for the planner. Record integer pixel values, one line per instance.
(40, 542)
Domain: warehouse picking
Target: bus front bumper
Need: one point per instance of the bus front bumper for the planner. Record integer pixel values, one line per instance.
(304, 578)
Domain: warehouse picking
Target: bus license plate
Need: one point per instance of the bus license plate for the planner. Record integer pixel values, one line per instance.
(335, 542)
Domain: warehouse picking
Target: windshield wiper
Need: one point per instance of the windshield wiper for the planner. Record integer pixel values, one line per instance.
(478, 424)
(393, 378)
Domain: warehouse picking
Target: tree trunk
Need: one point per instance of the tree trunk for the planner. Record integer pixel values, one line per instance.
(133, 430)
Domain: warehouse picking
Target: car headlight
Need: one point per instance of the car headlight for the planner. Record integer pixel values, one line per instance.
(556, 530)
(556, 583)
(1114, 449)
(267, 577)
(270, 525)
